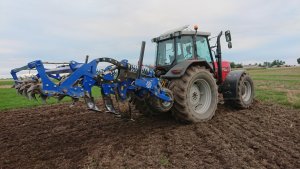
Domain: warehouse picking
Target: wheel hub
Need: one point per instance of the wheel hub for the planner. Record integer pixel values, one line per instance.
(166, 104)
(200, 96)
(195, 94)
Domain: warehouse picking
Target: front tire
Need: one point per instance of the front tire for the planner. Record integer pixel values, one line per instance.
(195, 95)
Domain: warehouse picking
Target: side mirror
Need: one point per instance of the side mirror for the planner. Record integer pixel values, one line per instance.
(229, 45)
(228, 36)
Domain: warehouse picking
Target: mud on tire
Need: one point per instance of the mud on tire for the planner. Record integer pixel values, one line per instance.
(195, 95)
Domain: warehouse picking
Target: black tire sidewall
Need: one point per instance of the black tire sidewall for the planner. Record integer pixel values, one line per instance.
(203, 75)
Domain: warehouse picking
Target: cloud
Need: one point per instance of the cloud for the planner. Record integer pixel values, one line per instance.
(9, 47)
(63, 30)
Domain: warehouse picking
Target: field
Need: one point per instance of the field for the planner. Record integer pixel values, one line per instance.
(273, 85)
(265, 136)
(56, 136)
(278, 85)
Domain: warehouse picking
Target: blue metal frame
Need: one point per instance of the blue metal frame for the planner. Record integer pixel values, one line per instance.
(88, 72)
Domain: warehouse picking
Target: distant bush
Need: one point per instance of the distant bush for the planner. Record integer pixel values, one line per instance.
(234, 65)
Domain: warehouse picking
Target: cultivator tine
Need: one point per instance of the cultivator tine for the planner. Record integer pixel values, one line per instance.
(44, 98)
(60, 97)
(90, 102)
(107, 101)
(74, 101)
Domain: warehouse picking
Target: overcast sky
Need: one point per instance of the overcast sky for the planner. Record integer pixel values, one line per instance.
(64, 30)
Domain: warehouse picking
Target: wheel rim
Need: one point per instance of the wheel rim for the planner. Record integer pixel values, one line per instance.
(200, 96)
(166, 103)
(246, 91)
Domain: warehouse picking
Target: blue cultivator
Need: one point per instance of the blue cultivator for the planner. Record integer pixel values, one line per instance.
(124, 81)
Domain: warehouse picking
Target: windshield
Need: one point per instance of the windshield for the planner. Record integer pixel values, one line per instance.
(184, 50)
(165, 52)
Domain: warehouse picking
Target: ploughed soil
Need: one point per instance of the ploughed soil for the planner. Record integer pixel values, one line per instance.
(56, 136)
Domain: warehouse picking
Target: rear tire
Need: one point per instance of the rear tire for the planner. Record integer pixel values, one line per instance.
(195, 95)
(245, 93)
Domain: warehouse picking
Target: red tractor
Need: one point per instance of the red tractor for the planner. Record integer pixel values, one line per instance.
(185, 63)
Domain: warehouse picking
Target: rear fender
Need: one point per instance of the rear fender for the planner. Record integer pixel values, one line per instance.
(229, 87)
(178, 70)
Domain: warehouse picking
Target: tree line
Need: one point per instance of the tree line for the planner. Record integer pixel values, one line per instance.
(274, 63)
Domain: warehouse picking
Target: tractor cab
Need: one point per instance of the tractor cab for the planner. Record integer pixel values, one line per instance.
(184, 44)
(180, 44)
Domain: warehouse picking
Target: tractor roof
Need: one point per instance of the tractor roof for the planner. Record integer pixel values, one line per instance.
(184, 30)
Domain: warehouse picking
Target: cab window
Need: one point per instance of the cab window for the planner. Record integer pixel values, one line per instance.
(165, 52)
(203, 51)
(184, 48)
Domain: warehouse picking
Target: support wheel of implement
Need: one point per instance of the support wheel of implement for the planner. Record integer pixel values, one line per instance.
(245, 93)
(195, 95)
(159, 105)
